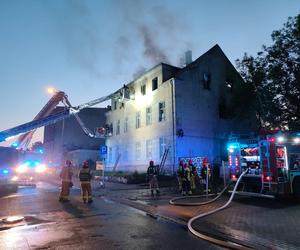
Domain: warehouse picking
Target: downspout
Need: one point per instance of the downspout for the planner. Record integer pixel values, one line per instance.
(172, 82)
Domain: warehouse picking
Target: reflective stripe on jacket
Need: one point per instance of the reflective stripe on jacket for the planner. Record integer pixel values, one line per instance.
(85, 175)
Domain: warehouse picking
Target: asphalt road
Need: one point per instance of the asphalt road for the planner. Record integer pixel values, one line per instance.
(104, 224)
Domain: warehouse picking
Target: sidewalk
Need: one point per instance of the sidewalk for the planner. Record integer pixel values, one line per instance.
(256, 222)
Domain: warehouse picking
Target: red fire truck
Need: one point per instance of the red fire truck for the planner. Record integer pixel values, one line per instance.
(272, 160)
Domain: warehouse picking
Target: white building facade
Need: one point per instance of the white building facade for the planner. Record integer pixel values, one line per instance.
(184, 110)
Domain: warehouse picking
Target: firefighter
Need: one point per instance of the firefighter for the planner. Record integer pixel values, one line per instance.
(180, 175)
(66, 181)
(193, 175)
(205, 175)
(215, 177)
(152, 174)
(85, 177)
(186, 180)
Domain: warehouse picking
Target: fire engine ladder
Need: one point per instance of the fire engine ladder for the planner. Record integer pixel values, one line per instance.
(163, 160)
(116, 163)
(44, 117)
(266, 185)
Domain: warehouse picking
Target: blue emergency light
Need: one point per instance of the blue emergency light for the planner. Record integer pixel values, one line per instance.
(5, 171)
(232, 146)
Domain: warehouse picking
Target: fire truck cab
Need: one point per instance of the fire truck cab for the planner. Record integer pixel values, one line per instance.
(272, 160)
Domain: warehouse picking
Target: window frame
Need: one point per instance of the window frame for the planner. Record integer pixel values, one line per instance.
(162, 111)
(154, 83)
(138, 120)
(148, 116)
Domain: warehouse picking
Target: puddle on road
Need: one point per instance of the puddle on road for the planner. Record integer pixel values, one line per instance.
(6, 224)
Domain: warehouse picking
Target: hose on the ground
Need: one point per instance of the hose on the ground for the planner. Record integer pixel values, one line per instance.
(227, 244)
(175, 202)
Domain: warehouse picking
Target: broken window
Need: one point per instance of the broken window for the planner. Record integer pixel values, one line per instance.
(115, 105)
(143, 89)
(206, 81)
(154, 83)
(161, 111)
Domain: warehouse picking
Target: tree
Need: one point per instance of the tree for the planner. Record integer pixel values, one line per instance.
(275, 76)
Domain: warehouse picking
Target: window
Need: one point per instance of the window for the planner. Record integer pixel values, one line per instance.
(138, 149)
(138, 120)
(111, 129)
(126, 125)
(161, 111)
(148, 116)
(115, 105)
(149, 149)
(206, 81)
(162, 145)
(154, 83)
(143, 89)
(118, 128)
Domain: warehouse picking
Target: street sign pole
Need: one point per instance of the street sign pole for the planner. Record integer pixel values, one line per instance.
(103, 155)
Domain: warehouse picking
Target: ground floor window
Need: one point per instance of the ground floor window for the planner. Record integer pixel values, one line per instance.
(149, 149)
(162, 145)
(138, 150)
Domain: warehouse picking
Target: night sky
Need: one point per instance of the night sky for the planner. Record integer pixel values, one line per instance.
(91, 48)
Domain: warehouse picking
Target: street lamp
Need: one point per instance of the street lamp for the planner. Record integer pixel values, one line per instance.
(51, 90)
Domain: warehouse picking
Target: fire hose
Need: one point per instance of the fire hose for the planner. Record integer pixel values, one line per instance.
(205, 237)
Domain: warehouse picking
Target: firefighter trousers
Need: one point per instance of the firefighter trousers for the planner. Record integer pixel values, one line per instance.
(193, 182)
(65, 191)
(186, 187)
(153, 183)
(86, 191)
(179, 183)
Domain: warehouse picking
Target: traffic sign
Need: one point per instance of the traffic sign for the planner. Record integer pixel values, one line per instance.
(103, 150)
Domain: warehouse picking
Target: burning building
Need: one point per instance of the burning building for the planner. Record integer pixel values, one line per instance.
(176, 112)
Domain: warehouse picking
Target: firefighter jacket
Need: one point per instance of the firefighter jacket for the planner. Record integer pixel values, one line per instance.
(203, 172)
(152, 171)
(187, 173)
(193, 169)
(66, 174)
(85, 175)
(180, 171)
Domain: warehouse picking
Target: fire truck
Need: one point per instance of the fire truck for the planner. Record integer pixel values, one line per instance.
(272, 161)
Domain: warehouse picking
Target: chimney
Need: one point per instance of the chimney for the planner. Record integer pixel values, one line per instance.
(188, 57)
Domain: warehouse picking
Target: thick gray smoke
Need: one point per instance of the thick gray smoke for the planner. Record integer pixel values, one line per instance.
(155, 30)
(152, 50)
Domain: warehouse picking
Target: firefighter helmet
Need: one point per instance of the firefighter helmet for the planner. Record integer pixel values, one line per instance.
(190, 161)
(181, 162)
(151, 163)
(85, 164)
(68, 162)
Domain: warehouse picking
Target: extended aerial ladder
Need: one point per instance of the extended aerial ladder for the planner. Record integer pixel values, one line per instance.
(46, 117)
